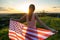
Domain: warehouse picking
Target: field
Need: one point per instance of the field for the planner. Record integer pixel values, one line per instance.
(52, 22)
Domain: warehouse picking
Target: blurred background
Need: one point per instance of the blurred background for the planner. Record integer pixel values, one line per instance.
(47, 10)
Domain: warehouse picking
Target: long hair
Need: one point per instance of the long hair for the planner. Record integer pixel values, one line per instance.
(31, 10)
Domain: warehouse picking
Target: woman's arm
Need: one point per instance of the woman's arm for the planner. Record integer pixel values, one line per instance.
(19, 20)
(45, 26)
(23, 17)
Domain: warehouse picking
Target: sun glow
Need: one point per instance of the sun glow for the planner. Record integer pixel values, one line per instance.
(23, 8)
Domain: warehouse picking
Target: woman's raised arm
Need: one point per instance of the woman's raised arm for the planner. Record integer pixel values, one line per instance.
(23, 17)
(19, 20)
(45, 26)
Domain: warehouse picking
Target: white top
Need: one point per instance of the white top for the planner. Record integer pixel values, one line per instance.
(31, 23)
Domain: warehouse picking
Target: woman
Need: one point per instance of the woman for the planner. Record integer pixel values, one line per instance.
(31, 19)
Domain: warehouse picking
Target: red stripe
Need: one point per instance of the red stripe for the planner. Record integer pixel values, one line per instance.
(45, 30)
(16, 35)
(43, 34)
(13, 37)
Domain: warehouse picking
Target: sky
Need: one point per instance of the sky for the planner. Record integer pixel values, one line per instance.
(21, 6)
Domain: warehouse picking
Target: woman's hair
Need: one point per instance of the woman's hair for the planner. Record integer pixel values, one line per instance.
(32, 6)
(31, 10)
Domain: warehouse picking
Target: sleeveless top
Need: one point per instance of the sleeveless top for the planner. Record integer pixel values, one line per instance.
(32, 23)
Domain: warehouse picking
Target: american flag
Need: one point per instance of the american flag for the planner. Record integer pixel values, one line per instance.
(19, 31)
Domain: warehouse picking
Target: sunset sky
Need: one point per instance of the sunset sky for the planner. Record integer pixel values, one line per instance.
(21, 6)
